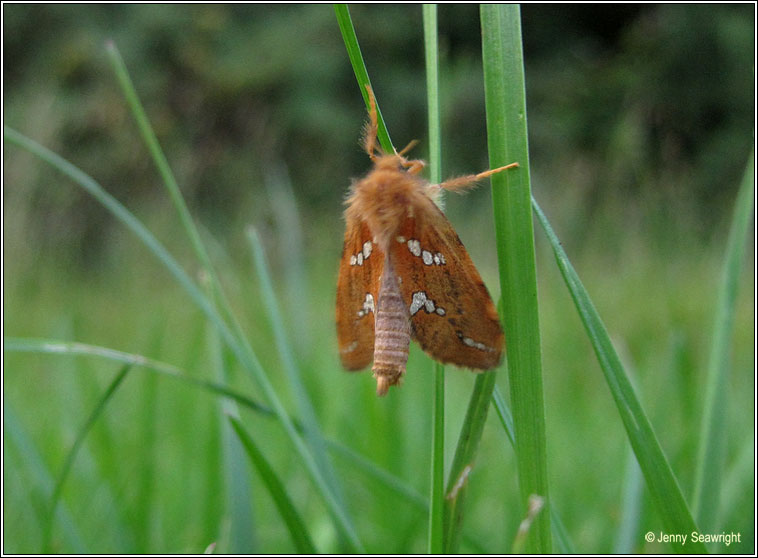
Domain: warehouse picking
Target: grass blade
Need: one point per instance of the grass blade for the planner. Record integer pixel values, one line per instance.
(560, 535)
(359, 67)
(437, 486)
(465, 454)
(292, 519)
(507, 140)
(286, 353)
(627, 538)
(72, 453)
(709, 469)
(150, 139)
(661, 482)
(239, 527)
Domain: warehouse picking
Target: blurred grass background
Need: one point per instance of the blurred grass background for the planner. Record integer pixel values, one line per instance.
(640, 119)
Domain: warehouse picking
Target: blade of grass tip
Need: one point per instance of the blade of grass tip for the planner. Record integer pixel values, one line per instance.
(291, 241)
(16, 438)
(709, 468)
(664, 489)
(237, 343)
(83, 431)
(465, 455)
(505, 100)
(295, 524)
(560, 535)
(307, 414)
(359, 67)
(435, 544)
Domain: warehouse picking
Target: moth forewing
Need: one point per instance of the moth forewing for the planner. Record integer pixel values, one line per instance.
(357, 293)
(452, 315)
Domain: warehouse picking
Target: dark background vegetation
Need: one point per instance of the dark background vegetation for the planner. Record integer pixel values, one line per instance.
(641, 119)
(635, 104)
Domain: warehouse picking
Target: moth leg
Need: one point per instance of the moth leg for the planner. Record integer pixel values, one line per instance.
(415, 166)
(463, 182)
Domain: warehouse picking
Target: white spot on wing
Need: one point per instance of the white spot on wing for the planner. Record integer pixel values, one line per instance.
(368, 305)
(414, 246)
(419, 299)
(426, 255)
(474, 344)
(350, 348)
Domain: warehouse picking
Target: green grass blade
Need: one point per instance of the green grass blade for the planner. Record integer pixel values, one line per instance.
(709, 469)
(150, 139)
(305, 409)
(665, 492)
(627, 538)
(74, 450)
(560, 535)
(435, 542)
(504, 414)
(432, 92)
(359, 67)
(465, 455)
(507, 140)
(237, 343)
(295, 524)
(239, 533)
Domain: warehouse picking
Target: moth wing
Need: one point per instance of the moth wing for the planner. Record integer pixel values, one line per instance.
(453, 317)
(357, 293)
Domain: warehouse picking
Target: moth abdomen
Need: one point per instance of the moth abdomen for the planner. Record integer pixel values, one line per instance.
(392, 332)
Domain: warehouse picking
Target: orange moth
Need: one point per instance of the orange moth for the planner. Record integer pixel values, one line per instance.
(404, 273)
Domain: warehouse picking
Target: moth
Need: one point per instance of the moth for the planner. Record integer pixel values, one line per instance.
(404, 273)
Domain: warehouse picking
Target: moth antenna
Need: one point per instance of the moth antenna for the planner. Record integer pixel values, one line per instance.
(470, 180)
(407, 148)
(370, 130)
